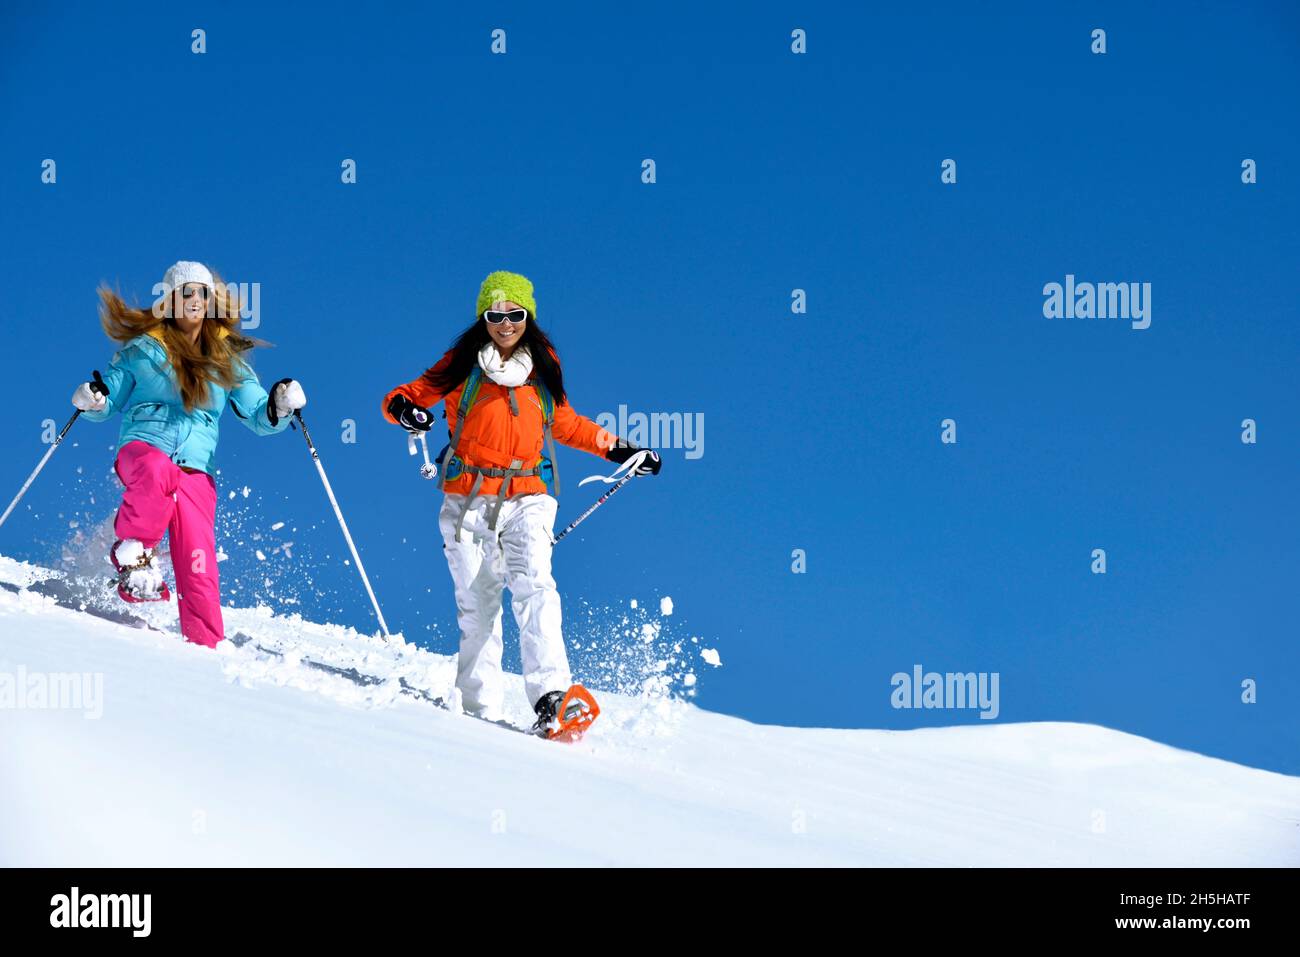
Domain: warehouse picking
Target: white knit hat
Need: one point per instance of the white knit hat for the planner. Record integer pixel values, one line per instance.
(178, 274)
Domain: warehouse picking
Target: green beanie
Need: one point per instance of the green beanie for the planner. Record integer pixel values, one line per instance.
(500, 286)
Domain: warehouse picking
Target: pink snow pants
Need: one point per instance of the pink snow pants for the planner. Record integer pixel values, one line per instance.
(162, 497)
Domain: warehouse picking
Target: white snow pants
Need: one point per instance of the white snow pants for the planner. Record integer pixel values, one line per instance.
(518, 556)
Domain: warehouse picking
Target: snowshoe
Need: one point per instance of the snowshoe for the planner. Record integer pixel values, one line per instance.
(138, 579)
(565, 716)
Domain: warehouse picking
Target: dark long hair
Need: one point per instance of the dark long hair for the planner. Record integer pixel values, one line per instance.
(447, 375)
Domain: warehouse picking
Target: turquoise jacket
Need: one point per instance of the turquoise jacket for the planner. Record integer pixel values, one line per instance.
(142, 386)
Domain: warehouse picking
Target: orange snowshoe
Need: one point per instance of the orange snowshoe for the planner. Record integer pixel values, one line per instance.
(566, 716)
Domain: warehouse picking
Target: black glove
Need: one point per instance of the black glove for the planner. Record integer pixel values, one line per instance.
(650, 465)
(414, 418)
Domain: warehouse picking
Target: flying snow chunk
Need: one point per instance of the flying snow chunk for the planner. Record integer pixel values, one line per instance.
(665, 606)
(247, 491)
(711, 656)
(633, 602)
(277, 526)
(261, 556)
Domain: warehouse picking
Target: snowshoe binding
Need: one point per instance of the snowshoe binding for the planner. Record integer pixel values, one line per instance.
(138, 578)
(565, 715)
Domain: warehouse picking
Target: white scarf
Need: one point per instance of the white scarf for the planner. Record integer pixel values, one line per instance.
(507, 372)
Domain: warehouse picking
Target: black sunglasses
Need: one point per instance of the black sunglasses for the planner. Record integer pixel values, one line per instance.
(496, 318)
(192, 289)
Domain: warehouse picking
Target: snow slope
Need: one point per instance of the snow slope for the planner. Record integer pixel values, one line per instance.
(245, 756)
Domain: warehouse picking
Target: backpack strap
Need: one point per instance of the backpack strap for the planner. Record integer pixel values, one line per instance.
(548, 410)
(481, 472)
(468, 393)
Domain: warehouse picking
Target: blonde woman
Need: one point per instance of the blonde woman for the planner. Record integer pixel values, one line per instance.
(181, 363)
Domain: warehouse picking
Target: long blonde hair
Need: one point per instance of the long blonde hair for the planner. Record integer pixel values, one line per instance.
(213, 358)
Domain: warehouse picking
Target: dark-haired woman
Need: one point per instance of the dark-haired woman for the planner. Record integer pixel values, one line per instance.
(497, 518)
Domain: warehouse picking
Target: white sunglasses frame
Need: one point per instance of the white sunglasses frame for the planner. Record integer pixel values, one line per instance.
(513, 322)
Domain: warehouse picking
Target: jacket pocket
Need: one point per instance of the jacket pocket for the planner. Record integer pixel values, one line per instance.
(147, 412)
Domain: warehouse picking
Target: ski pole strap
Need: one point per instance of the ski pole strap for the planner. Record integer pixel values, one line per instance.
(629, 467)
(428, 469)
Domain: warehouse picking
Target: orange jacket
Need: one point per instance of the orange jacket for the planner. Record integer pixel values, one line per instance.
(493, 435)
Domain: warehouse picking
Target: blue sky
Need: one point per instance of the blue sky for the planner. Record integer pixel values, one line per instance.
(775, 172)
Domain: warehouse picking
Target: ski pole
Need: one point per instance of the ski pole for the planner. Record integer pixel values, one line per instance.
(428, 469)
(315, 457)
(99, 388)
(595, 505)
(631, 465)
